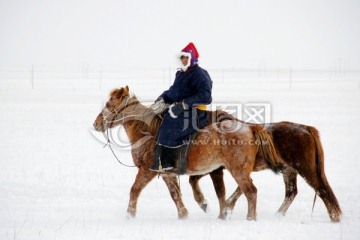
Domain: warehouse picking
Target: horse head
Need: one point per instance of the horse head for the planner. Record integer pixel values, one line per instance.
(117, 103)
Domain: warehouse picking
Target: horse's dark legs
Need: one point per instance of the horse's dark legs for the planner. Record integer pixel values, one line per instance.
(217, 177)
(174, 189)
(198, 195)
(327, 195)
(324, 191)
(143, 177)
(289, 176)
(291, 191)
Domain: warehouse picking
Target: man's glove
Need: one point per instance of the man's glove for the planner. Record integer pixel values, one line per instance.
(176, 109)
(159, 106)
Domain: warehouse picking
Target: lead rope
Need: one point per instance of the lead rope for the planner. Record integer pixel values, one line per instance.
(108, 143)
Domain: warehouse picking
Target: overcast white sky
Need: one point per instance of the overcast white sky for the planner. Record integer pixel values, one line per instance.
(237, 33)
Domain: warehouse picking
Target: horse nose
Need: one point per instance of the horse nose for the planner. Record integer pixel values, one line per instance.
(97, 122)
(96, 126)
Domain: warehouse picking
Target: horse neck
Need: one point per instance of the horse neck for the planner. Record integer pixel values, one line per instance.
(140, 122)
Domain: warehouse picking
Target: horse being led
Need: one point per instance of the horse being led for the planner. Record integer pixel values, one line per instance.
(239, 159)
(300, 149)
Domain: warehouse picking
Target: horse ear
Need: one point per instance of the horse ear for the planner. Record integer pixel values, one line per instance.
(116, 93)
(125, 91)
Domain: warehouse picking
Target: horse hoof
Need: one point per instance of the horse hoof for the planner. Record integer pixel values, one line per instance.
(227, 213)
(251, 218)
(204, 206)
(183, 215)
(130, 216)
(280, 213)
(335, 219)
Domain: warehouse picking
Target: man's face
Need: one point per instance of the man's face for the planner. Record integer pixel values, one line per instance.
(184, 60)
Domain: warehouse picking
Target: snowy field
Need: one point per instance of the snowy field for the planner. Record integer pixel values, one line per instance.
(58, 182)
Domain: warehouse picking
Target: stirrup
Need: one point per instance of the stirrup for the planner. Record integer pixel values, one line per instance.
(161, 169)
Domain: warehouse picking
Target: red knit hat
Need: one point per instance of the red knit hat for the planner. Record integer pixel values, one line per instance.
(191, 52)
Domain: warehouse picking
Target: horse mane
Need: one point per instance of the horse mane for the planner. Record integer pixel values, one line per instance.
(112, 92)
(145, 121)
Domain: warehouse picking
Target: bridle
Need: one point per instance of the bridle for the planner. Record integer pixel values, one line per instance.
(105, 122)
(116, 112)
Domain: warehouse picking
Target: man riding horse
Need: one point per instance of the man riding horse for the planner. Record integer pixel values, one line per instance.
(186, 112)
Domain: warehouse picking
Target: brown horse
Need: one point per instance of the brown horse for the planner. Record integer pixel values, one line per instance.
(295, 160)
(220, 146)
(300, 149)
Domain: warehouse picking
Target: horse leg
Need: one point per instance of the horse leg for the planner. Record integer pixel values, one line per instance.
(290, 177)
(324, 191)
(231, 201)
(174, 189)
(217, 177)
(314, 174)
(143, 177)
(198, 195)
(326, 194)
(250, 192)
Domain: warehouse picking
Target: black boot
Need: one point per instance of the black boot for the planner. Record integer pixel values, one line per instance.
(163, 160)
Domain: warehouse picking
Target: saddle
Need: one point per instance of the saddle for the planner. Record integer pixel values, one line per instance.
(180, 155)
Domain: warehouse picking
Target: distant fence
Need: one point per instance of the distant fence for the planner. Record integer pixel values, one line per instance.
(98, 79)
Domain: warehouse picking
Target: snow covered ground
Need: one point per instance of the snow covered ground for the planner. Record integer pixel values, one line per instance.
(58, 182)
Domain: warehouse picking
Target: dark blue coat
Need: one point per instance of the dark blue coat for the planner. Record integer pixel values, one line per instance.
(194, 88)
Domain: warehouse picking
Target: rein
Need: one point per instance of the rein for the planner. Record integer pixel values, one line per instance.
(108, 143)
(117, 112)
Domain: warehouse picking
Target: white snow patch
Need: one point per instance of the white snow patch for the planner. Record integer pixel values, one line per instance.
(57, 182)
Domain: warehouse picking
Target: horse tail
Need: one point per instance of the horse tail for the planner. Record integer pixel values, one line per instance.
(328, 193)
(266, 148)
